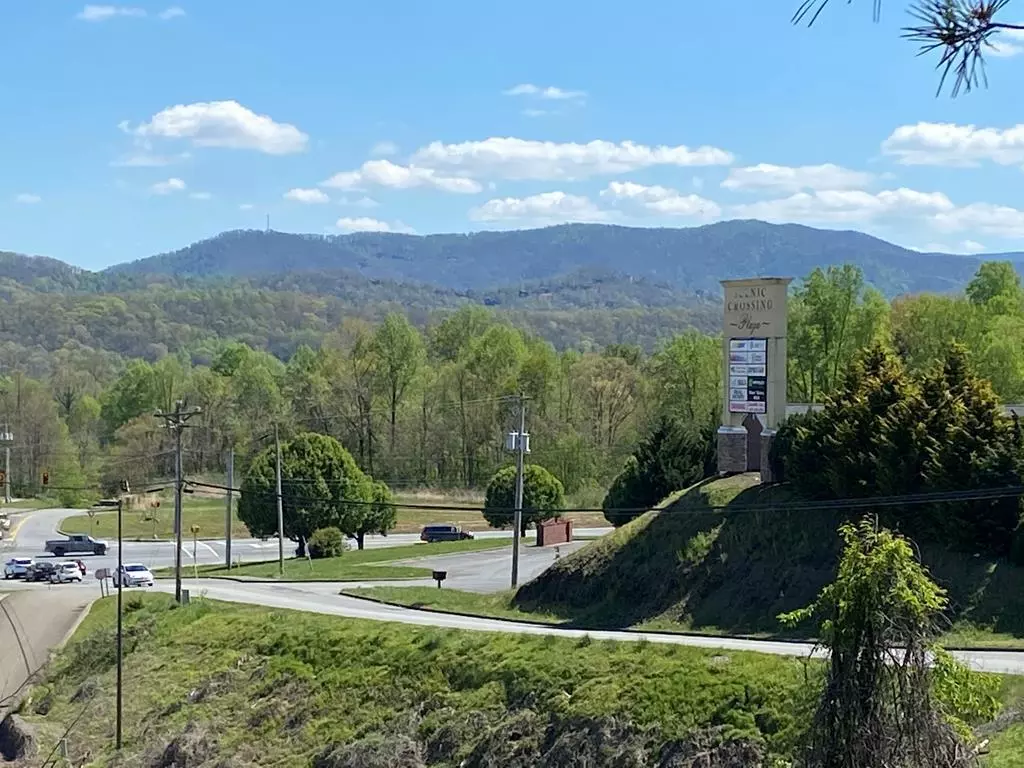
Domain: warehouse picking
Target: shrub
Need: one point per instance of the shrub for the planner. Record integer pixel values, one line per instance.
(326, 542)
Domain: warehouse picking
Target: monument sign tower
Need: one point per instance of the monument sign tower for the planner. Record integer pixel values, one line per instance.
(754, 360)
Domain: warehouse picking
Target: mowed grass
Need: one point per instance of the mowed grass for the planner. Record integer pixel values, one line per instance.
(271, 687)
(158, 522)
(208, 513)
(354, 565)
(495, 606)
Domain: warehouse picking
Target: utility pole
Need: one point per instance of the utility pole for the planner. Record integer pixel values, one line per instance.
(176, 420)
(120, 628)
(227, 518)
(519, 443)
(8, 438)
(280, 505)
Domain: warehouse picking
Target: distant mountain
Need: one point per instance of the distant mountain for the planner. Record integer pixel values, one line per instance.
(693, 259)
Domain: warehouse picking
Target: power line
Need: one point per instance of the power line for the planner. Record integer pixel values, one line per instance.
(933, 497)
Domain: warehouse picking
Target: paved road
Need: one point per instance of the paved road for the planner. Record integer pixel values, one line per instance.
(318, 599)
(40, 619)
(34, 528)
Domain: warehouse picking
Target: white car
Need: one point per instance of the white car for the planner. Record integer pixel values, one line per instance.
(135, 575)
(66, 572)
(16, 567)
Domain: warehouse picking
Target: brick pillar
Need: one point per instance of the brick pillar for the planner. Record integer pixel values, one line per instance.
(732, 449)
(767, 438)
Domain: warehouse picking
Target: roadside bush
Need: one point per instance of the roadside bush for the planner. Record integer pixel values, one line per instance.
(326, 542)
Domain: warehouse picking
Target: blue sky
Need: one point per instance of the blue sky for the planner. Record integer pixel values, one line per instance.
(134, 129)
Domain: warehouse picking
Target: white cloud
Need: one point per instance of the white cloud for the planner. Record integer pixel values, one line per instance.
(174, 12)
(548, 207)
(1004, 50)
(359, 202)
(849, 206)
(28, 198)
(307, 196)
(384, 173)
(1000, 220)
(223, 124)
(246, 207)
(972, 246)
(384, 148)
(550, 92)
(534, 112)
(663, 200)
(513, 158)
(793, 179)
(366, 224)
(955, 145)
(104, 12)
(166, 187)
(201, 196)
(147, 159)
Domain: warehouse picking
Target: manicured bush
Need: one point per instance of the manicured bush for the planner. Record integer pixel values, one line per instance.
(326, 542)
(543, 496)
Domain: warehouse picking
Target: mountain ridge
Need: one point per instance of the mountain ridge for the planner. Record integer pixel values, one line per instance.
(665, 263)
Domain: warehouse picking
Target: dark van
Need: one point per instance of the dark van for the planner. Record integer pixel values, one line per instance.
(445, 532)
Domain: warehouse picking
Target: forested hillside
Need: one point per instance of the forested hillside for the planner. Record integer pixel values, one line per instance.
(694, 259)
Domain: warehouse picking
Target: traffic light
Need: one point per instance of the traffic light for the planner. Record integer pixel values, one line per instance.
(46, 478)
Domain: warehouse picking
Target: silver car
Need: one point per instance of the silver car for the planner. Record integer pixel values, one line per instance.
(16, 567)
(135, 575)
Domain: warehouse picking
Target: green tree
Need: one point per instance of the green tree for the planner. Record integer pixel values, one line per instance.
(687, 373)
(673, 456)
(879, 622)
(833, 315)
(399, 352)
(380, 517)
(318, 479)
(997, 286)
(543, 497)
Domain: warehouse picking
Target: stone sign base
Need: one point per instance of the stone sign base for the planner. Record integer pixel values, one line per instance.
(767, 438)
(732, 449)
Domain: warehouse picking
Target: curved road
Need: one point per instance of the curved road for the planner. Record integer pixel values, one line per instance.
(324, 598)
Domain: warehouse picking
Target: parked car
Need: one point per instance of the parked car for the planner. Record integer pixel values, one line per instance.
(135, 575)
(444, 532)
(40, 571)
(16, 567)
(65, 572)
(76, 542)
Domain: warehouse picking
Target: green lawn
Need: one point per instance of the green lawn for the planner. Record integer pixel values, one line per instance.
(354, 565)
(497, 606)
(149, 523)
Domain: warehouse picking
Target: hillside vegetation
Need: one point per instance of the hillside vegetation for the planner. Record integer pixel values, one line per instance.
(711, 562)
(223, 685)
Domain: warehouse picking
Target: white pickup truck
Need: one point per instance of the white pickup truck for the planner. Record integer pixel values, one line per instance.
(79, 543)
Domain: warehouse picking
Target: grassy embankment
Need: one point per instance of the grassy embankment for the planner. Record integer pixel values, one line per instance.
(231, 685)
(354, 565)
(207, 512)
(706, 564)
(254, 686)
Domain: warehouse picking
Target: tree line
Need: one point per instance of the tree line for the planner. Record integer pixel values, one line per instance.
(429, 406)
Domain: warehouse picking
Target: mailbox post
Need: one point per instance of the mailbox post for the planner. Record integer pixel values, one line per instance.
(440, 576)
